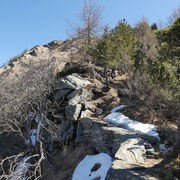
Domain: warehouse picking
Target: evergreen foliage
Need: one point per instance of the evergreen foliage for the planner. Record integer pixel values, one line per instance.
(154, 53)
(154, 26)
(167, 65)
(115, 46)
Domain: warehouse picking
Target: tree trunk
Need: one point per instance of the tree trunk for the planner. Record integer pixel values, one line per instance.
(119, 71)
(113, 73)
(106, 77)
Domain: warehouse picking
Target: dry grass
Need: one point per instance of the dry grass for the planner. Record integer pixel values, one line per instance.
(62, 166)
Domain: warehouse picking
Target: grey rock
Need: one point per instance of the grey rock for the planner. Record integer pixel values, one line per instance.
(79, 95)
(73, 111)
(64, 84)
(74, 93)
(79, 133)
(54, 43)
(86, 123)
(34, 52)
(88, 106)
(71, 82)
(122, 170)
(75, 100)
(65, 131)
(150, 156)
(148, 146)
(149, 139)
(51, 147)
(86, 95)
(150, 152)
(85, 113)
(81, 92)
(61, 93)
(127, 148)
(124, 93)
(77, 81)
(131, 151)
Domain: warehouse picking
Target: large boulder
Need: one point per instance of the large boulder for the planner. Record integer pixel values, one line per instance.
(79, 96)
(64, 84)
(127, 148)
(132, 151)
(77, 81)
(71, 82)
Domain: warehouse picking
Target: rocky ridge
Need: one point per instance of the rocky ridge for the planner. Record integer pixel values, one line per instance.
(128, 149)
(76, 117)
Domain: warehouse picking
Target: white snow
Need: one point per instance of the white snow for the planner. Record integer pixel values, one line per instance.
(121, 120)
(118, 108)
(20, 171)
(37, 119)
(162, 147)
(83, 170)
(33, 137)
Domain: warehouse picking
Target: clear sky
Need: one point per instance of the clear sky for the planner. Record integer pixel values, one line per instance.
(27, 23)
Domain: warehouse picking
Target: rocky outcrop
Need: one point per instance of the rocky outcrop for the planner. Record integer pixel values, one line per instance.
(128, 149)
(71, 95)
(55, 43)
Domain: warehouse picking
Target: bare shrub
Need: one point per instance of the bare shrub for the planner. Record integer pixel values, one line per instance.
(23, 108)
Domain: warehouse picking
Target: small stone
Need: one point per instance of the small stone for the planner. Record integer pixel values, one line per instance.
(150, 152)
(150, 156)
(148, 146)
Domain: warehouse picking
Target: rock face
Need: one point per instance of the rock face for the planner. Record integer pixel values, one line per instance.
(61, 93)
(71, 82)
(127, 148)
(71, 96)
(73, 112)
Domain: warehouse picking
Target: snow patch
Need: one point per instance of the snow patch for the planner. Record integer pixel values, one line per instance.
(162, 147)
(32, 137)
(121, 120)
(84, 169)
(21, 169)
(36, 119)
(118, 108)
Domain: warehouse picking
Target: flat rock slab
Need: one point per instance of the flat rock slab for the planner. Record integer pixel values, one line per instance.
(132, 151)
(71, 82)
(121, 170)
(127, 148)
(77, 81)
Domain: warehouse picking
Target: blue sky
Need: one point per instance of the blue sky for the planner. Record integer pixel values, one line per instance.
(27, 23)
